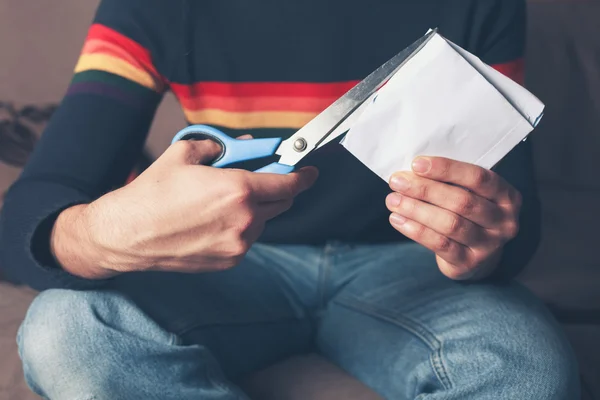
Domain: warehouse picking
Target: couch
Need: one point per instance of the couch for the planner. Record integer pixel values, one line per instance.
(40, 42)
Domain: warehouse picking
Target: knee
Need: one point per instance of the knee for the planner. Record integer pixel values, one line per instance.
(56, 335)
(528, 350)
(545, 360)
(56, 323)
(66, 334)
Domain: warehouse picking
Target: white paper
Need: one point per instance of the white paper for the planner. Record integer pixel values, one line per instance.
(443, 102)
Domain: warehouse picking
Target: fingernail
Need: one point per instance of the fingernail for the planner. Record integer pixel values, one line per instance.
(421, 165)
(394, 200)
(399, 183)
(397, 219)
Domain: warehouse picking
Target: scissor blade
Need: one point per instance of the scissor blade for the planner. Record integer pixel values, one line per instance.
(343, 113)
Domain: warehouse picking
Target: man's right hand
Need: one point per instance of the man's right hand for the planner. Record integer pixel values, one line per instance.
(178, 215)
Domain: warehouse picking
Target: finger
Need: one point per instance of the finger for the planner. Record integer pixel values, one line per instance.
(201, 151)
(480, 181)
(194, 152)
(441, 245)
(270, 210)
(452, 198)
(456, 272)
(274, 187)
(438, 219)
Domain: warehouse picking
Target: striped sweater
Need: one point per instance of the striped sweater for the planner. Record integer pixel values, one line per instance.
(264, 68)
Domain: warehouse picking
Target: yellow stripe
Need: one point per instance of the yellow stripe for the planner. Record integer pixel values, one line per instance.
(114, 65)
(250, 120)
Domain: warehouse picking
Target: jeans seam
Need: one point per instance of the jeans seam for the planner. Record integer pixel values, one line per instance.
(324, 273)
(440, 370)
(175, 340)
(409, 325)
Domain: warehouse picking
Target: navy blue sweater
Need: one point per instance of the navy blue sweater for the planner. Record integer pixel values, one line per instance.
(264, 68)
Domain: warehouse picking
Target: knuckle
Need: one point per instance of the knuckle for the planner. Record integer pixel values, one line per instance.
(408, 206)
(516, 199)
(443, 167)
(420, 232)
(480, 177)
(465, 204)
(242, 191)
(443, 244)
(512, 228)
(422, 190)
(245, 221)
(454, 225)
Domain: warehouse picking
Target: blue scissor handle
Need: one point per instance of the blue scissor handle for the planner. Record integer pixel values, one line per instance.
(235, 150)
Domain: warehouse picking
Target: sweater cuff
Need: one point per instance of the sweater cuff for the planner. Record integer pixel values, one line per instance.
(28, 216)
(41, 252)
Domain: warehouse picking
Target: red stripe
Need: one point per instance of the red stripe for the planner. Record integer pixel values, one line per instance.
(515, 70)
(134, 49)
(131, 177)
(262, 89)
(251, 104)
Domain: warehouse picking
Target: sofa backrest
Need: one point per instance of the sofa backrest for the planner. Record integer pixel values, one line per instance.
(563, 69)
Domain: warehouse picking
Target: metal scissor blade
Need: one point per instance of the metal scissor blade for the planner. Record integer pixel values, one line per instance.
(341, 115)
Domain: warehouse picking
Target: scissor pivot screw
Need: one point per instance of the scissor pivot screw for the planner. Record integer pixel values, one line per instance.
(300, 145)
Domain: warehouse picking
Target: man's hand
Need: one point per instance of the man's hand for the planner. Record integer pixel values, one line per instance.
(463, 213)
(177, 215)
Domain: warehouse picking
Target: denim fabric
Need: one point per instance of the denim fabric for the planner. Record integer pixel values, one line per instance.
(384, 313)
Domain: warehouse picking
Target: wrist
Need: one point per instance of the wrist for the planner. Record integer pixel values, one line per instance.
(75, 248)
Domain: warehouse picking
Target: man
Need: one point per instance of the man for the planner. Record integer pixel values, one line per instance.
(180, 283)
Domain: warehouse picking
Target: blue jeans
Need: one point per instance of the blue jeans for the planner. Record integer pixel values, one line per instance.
(383, 313)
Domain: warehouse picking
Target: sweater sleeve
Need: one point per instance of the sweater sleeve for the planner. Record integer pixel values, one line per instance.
(90, 144)
(501, 42)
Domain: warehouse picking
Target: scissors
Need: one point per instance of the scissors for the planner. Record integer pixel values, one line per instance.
(334, 121)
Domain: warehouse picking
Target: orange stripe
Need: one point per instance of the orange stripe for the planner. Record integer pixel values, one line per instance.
(137, 51)
(250, 120)
(251, 104)
(515, 70)
(105, 41)
(96, 46)
(262, 89)
(117, 66)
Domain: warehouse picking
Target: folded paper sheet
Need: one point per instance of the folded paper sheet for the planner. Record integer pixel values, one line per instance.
(444, 102)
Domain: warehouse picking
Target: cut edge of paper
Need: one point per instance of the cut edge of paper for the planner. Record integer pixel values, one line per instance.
(532, 111)
(519, 97)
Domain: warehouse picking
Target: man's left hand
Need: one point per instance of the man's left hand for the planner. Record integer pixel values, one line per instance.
(463, 213)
